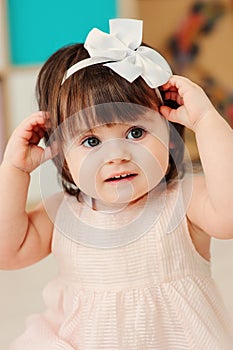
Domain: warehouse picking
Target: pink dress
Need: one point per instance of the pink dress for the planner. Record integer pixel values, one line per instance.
(151, 291)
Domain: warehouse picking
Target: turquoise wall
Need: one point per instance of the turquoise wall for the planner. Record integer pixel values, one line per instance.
(38, 28)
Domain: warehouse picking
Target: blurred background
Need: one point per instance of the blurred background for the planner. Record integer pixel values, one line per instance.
(194, 36)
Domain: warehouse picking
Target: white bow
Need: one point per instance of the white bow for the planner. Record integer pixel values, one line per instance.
(127, 58)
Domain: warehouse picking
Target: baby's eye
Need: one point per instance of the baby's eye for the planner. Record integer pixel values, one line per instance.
(136, 133)
(91, 142)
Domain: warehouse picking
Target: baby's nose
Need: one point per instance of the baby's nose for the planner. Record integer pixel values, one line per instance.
(116, 151)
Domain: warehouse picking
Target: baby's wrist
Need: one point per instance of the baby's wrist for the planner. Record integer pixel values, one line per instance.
(9, 166)
(207, 118)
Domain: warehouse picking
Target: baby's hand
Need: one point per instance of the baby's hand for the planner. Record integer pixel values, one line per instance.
(194, 103)
(22, 150)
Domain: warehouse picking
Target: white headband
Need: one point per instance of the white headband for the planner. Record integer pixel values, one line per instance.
(122, 48)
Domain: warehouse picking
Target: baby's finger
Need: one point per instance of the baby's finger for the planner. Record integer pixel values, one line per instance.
(34, 121)
(36, 137)
(30, 125)
(174, 96)
(176, 82)
(182, 84)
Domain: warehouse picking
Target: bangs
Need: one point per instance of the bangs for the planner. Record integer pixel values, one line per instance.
(97, 96)
(99, 85)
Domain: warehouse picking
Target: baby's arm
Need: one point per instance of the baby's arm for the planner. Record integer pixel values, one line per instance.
(24, 237)
(212, 198)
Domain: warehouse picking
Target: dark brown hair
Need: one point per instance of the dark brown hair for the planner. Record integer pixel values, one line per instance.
(94, 85)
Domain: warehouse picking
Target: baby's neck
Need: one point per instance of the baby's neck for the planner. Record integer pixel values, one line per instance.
(101, 206)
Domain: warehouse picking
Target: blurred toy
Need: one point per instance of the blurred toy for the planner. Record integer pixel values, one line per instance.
(185, 44)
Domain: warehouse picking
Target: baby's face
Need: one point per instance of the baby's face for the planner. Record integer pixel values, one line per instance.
(120, 162)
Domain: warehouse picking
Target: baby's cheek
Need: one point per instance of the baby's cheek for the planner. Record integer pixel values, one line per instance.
(87, 174)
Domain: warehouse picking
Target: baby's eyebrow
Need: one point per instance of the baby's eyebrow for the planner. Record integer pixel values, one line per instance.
(95, 129)
(85, 132)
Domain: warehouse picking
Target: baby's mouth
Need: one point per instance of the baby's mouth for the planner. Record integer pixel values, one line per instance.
(122, 177)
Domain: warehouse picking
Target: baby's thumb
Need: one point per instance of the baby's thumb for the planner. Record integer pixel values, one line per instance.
(47, 154)
(50, 152)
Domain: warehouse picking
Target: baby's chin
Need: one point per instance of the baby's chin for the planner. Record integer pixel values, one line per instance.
(117, 203)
